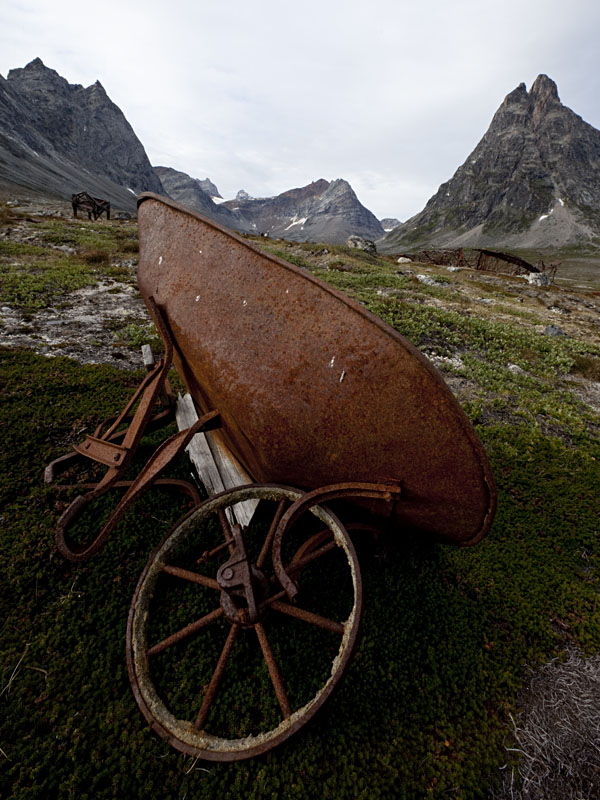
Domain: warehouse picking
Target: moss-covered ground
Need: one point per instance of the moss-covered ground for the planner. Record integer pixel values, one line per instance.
(45, 258)
(449, 635)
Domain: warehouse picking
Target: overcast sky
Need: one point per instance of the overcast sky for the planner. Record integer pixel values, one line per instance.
(270, 95)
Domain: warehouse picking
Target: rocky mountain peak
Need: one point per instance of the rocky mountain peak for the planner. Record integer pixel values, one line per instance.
(75, 138)
(97, 87)
(518, 96)
(339, 186)
(33, 67)
(307, 193)
(544, 89)
(389, 223)
(321, 211)
(532, 181)
(197, 195)
(40, 83)
(209, 187)
(36, 64)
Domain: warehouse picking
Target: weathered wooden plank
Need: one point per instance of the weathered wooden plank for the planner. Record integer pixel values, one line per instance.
(217, 467)
(148, 356)
(199, 450)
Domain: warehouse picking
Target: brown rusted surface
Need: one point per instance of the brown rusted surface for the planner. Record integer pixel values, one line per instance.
(311, 387)
(274, 671)
(217, 677)
(307, 616)
(115, 448)
(183, 633)
(326, 494)
(440, 257)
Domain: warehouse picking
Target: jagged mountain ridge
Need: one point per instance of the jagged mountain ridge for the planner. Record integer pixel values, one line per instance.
(532, 181)
(389, 223)
(190, 192)
(61, 138)
(322, 211)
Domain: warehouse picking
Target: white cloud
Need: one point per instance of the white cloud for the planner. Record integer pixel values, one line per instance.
(267, 96)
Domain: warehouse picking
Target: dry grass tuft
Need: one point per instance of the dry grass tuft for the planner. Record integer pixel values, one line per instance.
(95, 256)
(557, 735)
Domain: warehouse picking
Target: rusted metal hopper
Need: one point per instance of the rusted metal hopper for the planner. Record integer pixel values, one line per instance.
(312, 388)
(312, 391)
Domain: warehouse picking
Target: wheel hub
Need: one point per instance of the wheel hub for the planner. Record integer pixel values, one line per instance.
(235, 605)
(244, 587)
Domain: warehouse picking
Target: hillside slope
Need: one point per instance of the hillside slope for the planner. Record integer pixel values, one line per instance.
(62, 138)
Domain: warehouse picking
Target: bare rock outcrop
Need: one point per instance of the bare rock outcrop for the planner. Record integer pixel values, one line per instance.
(532, 181)
(62, 138)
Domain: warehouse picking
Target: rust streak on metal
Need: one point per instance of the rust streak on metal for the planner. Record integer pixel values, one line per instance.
(269, 538)
(275, 377)
(226, 528)
(235, 576)
(314, 555)
(208, 554)
(385, 492)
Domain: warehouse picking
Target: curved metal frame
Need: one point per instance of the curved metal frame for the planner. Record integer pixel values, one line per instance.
(188, 736)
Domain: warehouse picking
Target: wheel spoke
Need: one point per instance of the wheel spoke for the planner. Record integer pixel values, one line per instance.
(269, 539)
(183, 633)
(217, 677)
(295, 566)
(224, 519)
(311, 544)
(208, 554)
(307, 616)
(274, 672)
(194, 577)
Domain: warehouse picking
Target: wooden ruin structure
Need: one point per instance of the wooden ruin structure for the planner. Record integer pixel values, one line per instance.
(94, 206)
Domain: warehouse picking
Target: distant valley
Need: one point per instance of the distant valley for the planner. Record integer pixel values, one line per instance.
(58, 138)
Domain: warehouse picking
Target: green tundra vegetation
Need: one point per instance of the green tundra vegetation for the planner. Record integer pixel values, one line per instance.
(449, 636)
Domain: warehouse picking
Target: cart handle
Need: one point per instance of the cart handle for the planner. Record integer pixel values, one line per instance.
(149, 475)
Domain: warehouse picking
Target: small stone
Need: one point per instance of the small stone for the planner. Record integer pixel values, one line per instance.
(538, 279)
(404, 260)
(429, 281)
(554, 330)
(360, 243)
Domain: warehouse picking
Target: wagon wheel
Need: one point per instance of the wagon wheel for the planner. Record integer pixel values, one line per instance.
(222, 665)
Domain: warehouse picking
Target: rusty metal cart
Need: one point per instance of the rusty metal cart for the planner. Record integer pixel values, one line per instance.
(296, 386)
